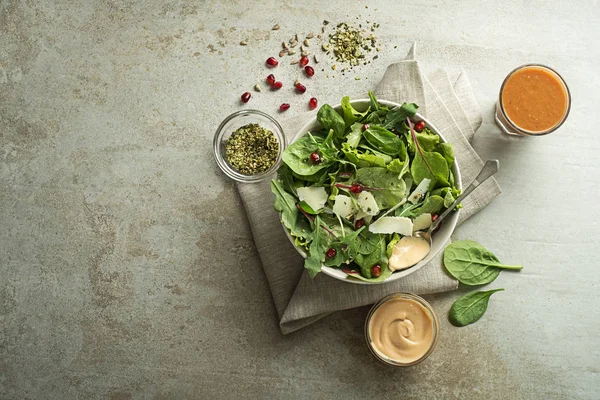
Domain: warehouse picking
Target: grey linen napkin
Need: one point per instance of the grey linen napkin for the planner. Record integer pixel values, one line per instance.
(299, 300)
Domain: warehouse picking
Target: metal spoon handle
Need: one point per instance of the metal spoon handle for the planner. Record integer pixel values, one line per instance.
(489, 169)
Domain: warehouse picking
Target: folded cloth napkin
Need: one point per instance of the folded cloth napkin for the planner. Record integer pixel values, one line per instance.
(300, 300)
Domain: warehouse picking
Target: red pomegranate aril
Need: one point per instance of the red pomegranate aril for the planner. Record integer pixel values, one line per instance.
(419, 126)
(300, 88)
(272, 62)
(359, 223)
(312, 103)
(434, 217)
(331, 253)
(315, 158)
(284, 107)
(310, 71)
(277, 85)
(246, 97)
(303, 61)
(271, 79)
(356, 188)
(365, 127)
(376, 270)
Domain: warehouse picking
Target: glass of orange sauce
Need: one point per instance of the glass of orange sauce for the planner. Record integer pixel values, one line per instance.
(534, 100)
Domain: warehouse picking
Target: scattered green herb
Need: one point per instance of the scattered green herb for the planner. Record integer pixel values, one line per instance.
(472, 264)
(252, 149)
(470, 307)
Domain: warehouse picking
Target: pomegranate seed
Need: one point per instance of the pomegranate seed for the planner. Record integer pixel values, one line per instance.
(356, 188)
(315, 158)
(284, 107)
(300, 88)
(419, 126)
(376, 270)
(312, 103)
(271, 80)
(277, 85)
(331, 253)
(272, 62)
(434, 217)
(310, 71)
(365, 127)
(303, 61)
(349, 271)
(246, 97)
(359, 223)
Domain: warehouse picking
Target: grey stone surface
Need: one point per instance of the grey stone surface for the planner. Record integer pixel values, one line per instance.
(127, 269)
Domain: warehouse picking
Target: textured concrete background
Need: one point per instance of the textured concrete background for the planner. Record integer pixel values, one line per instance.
(127, 269)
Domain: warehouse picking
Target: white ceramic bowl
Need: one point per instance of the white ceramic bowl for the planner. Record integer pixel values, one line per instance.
(438, 239)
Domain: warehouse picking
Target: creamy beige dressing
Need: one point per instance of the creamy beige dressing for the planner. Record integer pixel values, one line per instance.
(401, 330)
(408, 251)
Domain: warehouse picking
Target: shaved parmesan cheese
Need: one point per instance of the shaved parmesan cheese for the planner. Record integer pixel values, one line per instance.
(420, 191)
(315, 197)
(367, 203)
(423, 221)
(343, 206)
(400, 225)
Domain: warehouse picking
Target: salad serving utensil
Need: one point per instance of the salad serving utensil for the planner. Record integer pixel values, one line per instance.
(488, 170)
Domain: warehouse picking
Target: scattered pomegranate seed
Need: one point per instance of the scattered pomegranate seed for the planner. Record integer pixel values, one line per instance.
(365, 127)
(284, 107)
(419, 126)
(303, 61)
(315, 158)
(246, 97)
(277, 85)
(356, 188)
(310, 71)
(376, 270)
(300, 88)
(359, 223)
(271, 80)
(272, 62)
(312, 103)
(331, 253)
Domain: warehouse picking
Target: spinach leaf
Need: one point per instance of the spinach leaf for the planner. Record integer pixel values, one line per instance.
(297, 156)
(350, 113)
(389, 189)
(354, 136)
(378, 256)
(330, 119)
(420, 170)
(361, 160)
(472, 264)
(318, 246)
(432, 205)
(374, 103)
(397, 115)
(383, 140)
(447, 151)
(285, 203)
(387, 159)
(470, 307)
(368, 242)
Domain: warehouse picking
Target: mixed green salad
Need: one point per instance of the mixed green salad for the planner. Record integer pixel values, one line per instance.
(349, 191)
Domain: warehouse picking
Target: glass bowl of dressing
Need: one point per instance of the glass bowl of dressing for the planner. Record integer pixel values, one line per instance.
(401, 330)
(248, 146)
(534, 100)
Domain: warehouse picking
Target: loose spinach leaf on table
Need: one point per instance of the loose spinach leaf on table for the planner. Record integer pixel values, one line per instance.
(472, 264)
(383, 140)
(470, 307)
(330, 119)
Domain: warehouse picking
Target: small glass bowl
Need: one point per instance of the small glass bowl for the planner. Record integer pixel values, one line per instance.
(230, 125)
(434, 322)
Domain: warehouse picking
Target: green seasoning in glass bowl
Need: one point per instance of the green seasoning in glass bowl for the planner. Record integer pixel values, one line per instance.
(248, 146)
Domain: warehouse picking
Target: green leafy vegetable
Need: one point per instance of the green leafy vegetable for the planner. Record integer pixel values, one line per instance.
(432, 205)
(297, 156)
(285, 203)
(317, 249)
(383, 140)
(350, 113)
(390, 189)
(420, 168)
(470, 307)
(472, 264)
(330, 119)
(377, 257)
(397, 115)
(354, 136)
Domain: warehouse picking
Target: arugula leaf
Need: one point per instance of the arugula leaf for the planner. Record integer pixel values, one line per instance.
(286, 177)
(346, 249)
(472, 264)
(368, 242)
(317, 249)
(470, 307)
(330, 119)
(374, 103)
(390, 189)
(397, 115)
(285, 203)
(383, 140)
